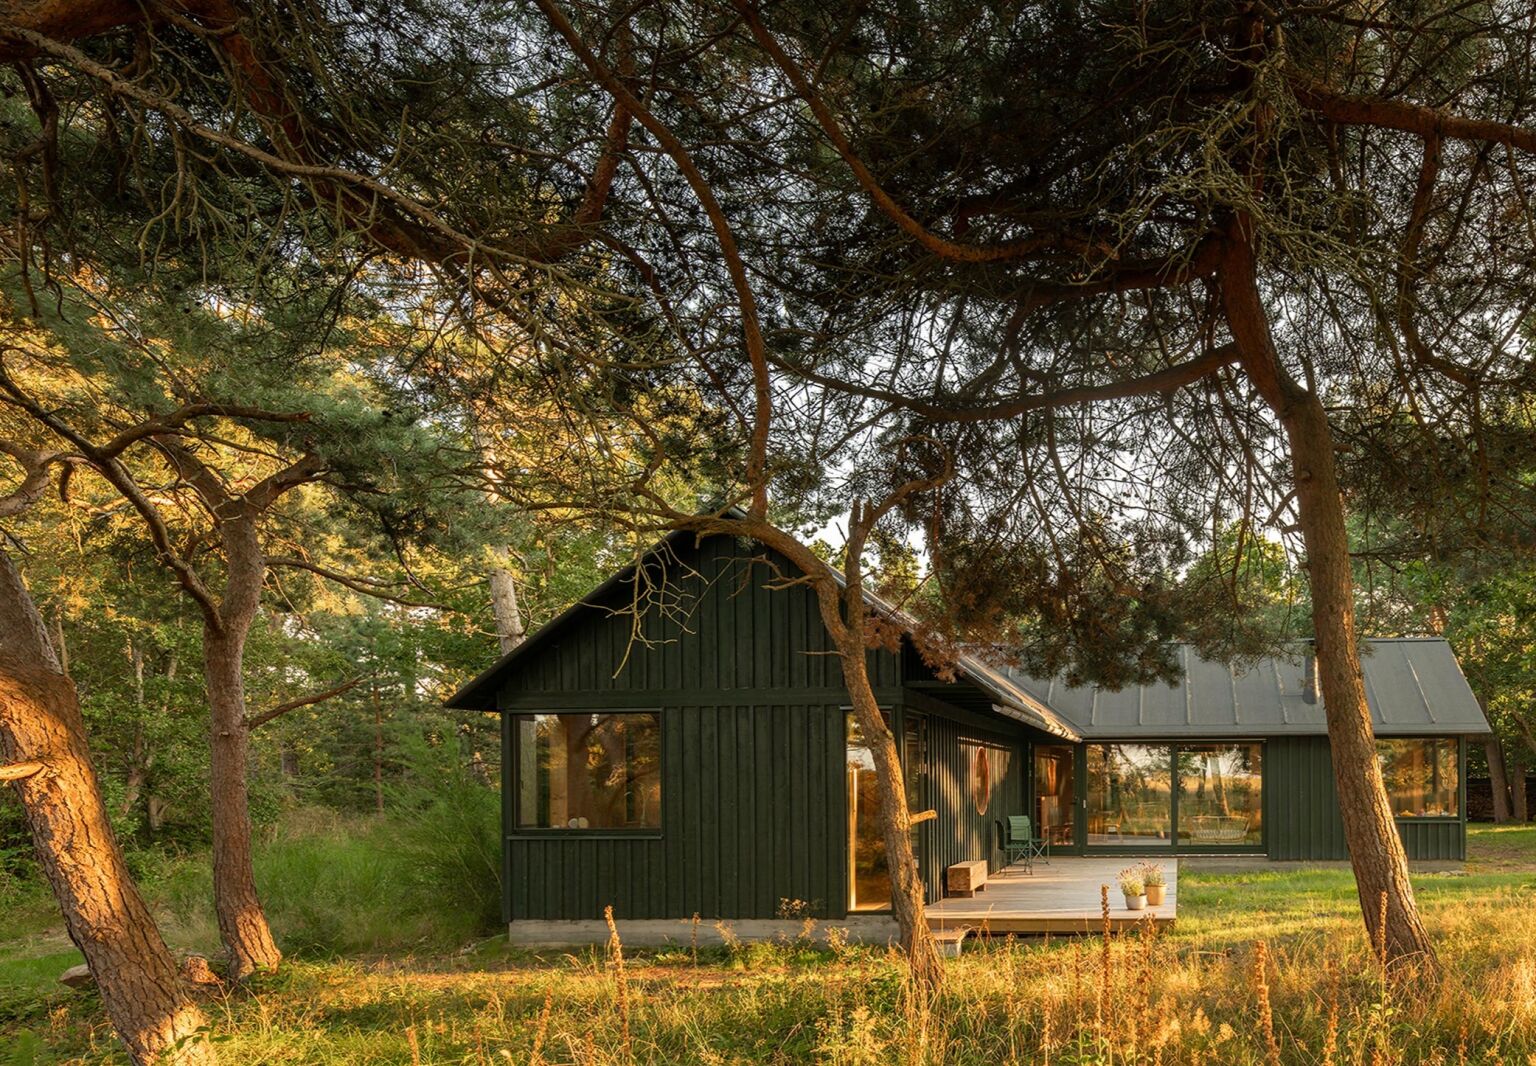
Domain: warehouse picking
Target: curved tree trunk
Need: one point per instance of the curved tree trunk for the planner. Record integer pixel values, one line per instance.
(843, 610)
(242, 922)
(42, 740)
(1375, 848)
(907, 892)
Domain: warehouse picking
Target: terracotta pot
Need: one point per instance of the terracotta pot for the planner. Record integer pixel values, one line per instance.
(1156, 894)
(1136, 903)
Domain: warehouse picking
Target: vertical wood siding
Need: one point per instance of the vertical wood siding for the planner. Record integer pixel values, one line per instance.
(960, 833)
(751, 705)
(713, 627)
(1301, 809)
(751, 804)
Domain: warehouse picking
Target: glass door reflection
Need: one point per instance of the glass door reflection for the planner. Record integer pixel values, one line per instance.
(1056, 794)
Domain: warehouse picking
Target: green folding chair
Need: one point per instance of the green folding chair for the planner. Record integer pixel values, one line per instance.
(1022, 841)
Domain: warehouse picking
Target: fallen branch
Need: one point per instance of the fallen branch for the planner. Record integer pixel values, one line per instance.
(20, 771)
(252, 721)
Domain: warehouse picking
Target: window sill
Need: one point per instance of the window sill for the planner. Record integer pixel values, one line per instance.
(1413, 819)
(584, 834)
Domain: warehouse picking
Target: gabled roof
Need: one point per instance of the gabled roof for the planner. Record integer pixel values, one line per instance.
(1008, 698)
(1414, 686)
(479, 693)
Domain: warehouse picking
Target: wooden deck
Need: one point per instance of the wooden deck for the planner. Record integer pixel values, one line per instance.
(1062, 897)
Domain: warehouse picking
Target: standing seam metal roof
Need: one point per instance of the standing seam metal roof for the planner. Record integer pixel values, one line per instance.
(1414, 686)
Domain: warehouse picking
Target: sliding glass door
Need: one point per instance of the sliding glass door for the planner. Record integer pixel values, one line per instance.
(869, 883)
(1130, 795)
(1147, 797)
(1056, 794)
(1221, 799)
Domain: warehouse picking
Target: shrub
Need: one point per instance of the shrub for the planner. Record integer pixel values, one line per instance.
(335, 884)
(452, 847)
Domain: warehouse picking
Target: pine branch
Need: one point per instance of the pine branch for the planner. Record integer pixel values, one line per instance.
(254, 721)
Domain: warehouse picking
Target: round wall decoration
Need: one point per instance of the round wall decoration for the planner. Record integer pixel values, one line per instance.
(981, 780)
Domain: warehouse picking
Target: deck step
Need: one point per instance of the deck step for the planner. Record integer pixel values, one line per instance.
(950, 939)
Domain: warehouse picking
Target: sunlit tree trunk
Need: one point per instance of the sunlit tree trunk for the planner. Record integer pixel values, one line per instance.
(378, 751)
(43, 753)
(242, 922)
(843, 613)
(504, 606)
(1520, 798)
(1375, 849)
(908, 895)
(509, 615)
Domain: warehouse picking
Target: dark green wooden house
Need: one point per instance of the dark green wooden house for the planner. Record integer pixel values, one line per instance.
(699, 756)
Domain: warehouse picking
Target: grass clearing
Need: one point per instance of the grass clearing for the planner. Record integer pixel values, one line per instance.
(1195, 995)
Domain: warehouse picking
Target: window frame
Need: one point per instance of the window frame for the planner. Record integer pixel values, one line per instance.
(520, 832)
(1460, 754)
(1259, 845)
(1175, 846)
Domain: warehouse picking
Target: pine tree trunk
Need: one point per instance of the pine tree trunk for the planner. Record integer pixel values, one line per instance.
(843, 612)
(1498, 780)
(242, 922)
(378, 752)
(509, 616)
(1375, 848)
(908, 905)
(1519, 794)
(106, 917)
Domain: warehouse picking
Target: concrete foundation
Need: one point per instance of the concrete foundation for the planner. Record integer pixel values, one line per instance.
(664, 932)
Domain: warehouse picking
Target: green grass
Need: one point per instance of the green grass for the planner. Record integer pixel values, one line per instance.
(37, 971)
(1190, 996)
(1493, 847)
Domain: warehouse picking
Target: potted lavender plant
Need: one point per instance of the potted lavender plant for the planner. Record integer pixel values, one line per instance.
(1134, 889)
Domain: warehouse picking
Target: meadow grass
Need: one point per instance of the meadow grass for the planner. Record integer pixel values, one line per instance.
(1264, 966)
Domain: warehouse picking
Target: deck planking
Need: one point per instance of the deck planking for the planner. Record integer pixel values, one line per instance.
(1059, 897)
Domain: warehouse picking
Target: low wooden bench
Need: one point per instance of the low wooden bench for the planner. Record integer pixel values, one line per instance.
(966, 878)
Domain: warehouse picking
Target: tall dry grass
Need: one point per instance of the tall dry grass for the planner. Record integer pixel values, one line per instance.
(1262, 969)
(1140, 996)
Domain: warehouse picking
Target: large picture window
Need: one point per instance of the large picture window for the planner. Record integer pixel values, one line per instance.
(1220, 796)
(1198, 796)
(1130, 794)
(1422, 776)
(588, 771)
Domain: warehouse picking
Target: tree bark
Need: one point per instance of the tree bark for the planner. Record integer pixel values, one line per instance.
(908, 905)
(242, 922)
(1375, 848)
(378, 752)
(509, 617)
(104, 913)
(504, 606)
(843, 614)
(1498, 779)
(1519, 794)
